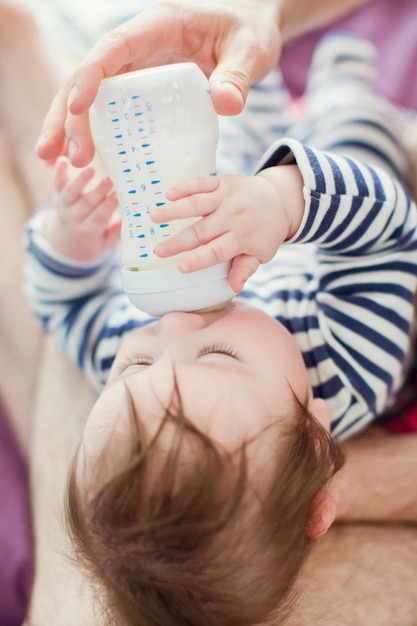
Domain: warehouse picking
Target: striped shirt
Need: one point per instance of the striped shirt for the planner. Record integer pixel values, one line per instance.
(343, 286)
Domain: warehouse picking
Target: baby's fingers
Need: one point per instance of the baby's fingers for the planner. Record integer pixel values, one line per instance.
(72, 191)
(200, 184)
(219, 250)
(96, 196)
(199, 233)
(101, 214)
(243, 266)
(198, 205)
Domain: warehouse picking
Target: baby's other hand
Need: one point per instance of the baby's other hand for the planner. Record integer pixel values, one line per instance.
(85, 223)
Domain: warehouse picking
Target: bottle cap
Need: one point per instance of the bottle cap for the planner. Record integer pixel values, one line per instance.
(161, 291)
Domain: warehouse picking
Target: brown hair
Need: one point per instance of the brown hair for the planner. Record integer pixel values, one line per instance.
(191, 541)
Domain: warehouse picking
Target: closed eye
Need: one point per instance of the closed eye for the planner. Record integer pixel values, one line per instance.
(219, 348)
(140, 360)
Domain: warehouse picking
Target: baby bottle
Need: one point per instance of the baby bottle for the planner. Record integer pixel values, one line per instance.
(152, 129)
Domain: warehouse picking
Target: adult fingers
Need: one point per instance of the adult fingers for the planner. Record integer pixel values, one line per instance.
(149, 38)
(52, 141)
(246, 56)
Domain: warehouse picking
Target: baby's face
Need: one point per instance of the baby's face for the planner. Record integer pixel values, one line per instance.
(236, 371)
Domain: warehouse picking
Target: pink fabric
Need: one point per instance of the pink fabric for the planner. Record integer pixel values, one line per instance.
(407, 423)
(15, 536)
(392, 26)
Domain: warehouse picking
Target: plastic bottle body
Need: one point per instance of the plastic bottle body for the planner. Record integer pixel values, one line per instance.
(153, 129)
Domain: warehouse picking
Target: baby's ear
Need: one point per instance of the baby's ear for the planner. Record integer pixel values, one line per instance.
(323, 513)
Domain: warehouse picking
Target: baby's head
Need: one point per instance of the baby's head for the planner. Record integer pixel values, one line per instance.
(200, 481)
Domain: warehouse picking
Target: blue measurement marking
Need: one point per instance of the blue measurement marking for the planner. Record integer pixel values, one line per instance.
(138, 215)
(150, 163)
(116, 119)
(138, 113)
(140, 236)
(146, 145)
(118, 136)
(132, 191)
(155, 182)
(143, 256)
(159, 203)
(122, 152)
(111, 103)
(127, 170)
(135, 97)
(163, 225)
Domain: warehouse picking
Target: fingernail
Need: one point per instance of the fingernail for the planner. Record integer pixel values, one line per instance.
(232, 89)
(183, 267)
(73, 95)
(40, 143)
(72, 150)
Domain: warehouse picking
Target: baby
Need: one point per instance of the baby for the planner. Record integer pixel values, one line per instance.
(202, 476)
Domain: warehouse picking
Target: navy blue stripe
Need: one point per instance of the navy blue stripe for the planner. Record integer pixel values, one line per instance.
(354, 236)
(363, 189)
(363, 330)
(84, 342)
(400, 267)
(106, 363)
(356, 381)
(311, 216)
(316, 355)
(372, 150)
(320, 180)
(61, 269)
(350, 426)
(336, 422)
(328, 389)
(338, 176)
(373, 306)
(76, 307)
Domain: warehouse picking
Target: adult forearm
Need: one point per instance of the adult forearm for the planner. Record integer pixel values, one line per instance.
(301, 16)
(378, 482)
(61, 594)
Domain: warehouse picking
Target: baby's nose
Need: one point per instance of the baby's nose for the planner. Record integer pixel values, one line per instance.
(178, 322)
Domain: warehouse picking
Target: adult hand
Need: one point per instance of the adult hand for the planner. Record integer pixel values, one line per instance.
(377, 483)
(235, 42)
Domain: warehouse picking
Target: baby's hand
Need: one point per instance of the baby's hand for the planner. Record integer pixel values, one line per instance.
(244, 218)
(85, 223)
